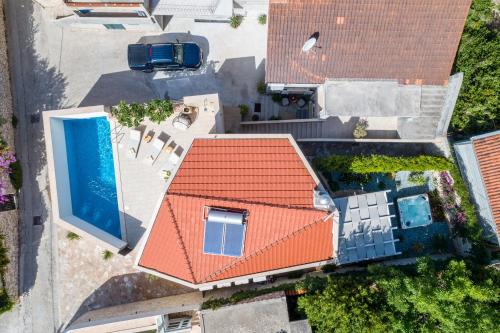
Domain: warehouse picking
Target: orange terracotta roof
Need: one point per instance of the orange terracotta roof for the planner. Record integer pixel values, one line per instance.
(413, 41)
(487, 150)
(257, 170)
(278, 234)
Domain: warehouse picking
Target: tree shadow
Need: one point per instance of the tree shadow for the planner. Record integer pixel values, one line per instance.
(128, 288)
(37, 87)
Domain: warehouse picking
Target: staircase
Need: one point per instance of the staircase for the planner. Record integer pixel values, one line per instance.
(432, 100)
(311, 129)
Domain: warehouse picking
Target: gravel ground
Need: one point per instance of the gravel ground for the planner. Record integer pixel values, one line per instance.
(8, 220)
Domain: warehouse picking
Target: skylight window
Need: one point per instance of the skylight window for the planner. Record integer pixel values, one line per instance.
(224, 233)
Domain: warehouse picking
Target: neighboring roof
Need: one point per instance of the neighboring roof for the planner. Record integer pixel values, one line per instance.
(412, 41)
(365, 228)
(478, 162)
(487, 150)
(265, 177)
(269, 315)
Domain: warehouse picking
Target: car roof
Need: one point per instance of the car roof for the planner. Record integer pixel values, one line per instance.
(162, 53)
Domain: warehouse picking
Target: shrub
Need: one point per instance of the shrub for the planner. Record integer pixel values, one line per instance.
(6, 303)
(276, 98)
(243, 110)
(107, 255)
(151, 277)
(159, 110)
(72, 236)
(439, 243)
(360, 129)
(261, 87)
(436, 204)
(16, 175)
(417, 178)
(418, 247)
(262, 19)
(129, 115)
(14, 121)
(295, 274)
(235, 21)
(273, 117)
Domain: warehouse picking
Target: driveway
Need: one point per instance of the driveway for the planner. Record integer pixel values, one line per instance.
(54, 67)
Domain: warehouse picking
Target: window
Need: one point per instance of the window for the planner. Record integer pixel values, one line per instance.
(224, 233)
(115, 26)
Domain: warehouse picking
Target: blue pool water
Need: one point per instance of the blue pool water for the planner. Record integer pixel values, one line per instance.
(92, 173)
(414, 211)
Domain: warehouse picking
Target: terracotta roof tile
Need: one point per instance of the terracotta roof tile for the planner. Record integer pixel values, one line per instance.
(282, 230)
(487, 152)
(414, 40)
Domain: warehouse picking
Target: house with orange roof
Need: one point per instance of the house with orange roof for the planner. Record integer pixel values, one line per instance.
(478, 159)
(241, 208)
(386, 62)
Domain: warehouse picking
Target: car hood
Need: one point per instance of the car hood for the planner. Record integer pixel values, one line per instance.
(192, 55)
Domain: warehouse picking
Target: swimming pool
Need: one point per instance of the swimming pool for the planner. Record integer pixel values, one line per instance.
(414, 211)
(92, 173)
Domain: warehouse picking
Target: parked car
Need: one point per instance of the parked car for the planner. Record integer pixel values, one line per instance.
(164, 57)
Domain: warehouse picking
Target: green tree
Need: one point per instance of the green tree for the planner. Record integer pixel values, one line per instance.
(430, 297)
(478, 57)
(349, 303)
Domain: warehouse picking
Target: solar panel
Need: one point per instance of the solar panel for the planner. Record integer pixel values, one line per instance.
(233, 241)
(213, 237)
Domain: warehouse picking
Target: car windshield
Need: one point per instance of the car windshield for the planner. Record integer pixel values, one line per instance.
(179, 54)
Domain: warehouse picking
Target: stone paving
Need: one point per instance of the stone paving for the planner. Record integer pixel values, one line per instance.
(114, 281)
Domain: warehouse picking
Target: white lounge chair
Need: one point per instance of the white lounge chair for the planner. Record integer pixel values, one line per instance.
(133, 143)
(155, 151)
(168, 167)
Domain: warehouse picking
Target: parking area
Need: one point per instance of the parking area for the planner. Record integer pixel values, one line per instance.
(95, 69)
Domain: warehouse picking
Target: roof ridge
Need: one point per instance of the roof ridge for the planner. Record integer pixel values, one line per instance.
(266, 248)
(244, 201)
(179, 238)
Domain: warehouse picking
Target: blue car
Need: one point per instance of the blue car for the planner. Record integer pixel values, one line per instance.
(164, 57)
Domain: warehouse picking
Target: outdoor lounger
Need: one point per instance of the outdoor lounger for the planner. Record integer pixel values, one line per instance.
(155, 151)
(133, 143)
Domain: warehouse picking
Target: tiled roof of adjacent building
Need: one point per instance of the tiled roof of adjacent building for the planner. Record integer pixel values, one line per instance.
(412, 41)
(266, 178)
(487, 150)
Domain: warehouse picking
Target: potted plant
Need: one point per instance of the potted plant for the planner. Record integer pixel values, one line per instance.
(235, 21)
(360, 129)
(243, 110)
(262, 19)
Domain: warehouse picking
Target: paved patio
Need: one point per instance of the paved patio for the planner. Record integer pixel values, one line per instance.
(142, 182)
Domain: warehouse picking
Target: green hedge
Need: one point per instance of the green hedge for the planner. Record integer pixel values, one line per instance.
(381, 163)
